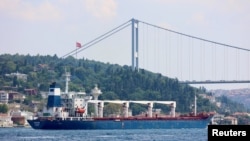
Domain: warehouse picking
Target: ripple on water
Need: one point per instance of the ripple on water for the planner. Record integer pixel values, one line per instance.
(29, 134)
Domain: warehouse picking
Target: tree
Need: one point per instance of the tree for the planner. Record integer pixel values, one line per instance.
(111, 109)
(3, 108)
(9, 67)
(115, 81)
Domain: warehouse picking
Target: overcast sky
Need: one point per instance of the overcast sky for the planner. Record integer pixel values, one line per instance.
(49, 27)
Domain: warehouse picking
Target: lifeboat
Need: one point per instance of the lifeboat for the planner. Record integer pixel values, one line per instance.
(80, 110)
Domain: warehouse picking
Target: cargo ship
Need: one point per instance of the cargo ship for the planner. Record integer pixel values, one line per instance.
(68, 110)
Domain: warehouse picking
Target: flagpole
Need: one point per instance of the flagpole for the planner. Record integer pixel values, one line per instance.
(78, 45)
(76, 58)
(76, 52)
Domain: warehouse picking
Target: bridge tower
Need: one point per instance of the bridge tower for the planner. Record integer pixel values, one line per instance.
(135, 55)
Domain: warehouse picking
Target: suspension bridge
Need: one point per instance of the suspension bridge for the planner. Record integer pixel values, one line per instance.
(190, 59)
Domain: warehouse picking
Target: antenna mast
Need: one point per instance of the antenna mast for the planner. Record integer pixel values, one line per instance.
(67, 79)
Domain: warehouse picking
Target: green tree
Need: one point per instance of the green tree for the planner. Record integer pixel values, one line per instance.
(3, 108)
(112, 108)
(9, 67)
(115, 81)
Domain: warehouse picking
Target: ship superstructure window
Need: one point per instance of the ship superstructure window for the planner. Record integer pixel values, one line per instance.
(51, 90)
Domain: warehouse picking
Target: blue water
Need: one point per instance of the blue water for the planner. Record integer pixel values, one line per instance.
(29, 134)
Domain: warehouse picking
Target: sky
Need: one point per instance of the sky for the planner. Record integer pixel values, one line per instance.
(48, 27)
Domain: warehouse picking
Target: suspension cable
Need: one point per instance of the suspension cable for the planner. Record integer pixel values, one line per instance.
(100, 38)
(195, 37)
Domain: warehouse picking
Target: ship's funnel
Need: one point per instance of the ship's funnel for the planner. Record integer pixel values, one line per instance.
(54, 97)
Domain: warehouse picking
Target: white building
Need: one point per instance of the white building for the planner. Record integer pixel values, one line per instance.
(19, 76)
(4, 97)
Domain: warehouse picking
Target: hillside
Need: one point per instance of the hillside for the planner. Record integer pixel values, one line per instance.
(237, 95)
(115, 81)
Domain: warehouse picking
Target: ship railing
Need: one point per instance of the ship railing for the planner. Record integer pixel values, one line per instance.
(76, 118)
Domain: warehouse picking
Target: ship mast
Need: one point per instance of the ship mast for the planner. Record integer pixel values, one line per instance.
(67, 79)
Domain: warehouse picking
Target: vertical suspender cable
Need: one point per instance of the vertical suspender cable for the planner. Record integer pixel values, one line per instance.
(155, 50)
(224, 62)
(147, 44)
(215, 62)
(143, 46)
(248, 78)
(178, 69)
(169, 54)
(181, 49)
(200, 61)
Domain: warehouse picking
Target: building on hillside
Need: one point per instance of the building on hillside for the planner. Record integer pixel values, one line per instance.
(218, 104)
(44, 94)
(230, 120)
(20, 76)
(222, 120)
(4, 97)
(15, 96)
(41, 67)
(8, 88)
(217, 119)
(10, 96)
(30, 91)
(241, 114)
(209, 97)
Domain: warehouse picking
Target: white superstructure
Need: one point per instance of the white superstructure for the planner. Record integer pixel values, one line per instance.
(65, 104)
(125, 103)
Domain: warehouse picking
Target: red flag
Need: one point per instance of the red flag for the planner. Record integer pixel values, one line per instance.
(78, 44)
